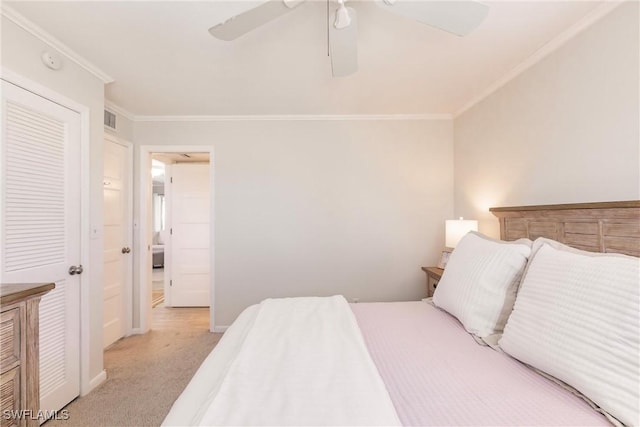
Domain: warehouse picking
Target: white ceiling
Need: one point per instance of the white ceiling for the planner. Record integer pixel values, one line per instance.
(164, 61)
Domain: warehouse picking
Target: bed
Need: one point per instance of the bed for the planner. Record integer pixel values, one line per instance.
(540, 328)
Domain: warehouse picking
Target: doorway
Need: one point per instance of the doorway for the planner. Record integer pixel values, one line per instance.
(176, 212)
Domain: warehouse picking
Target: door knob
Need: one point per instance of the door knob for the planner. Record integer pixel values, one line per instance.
(76, 269)
(126, 250)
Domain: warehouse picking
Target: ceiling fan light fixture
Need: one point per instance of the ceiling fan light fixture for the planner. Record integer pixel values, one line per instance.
(343, 20)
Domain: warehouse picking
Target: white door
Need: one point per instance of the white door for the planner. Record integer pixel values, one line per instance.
(40, 230)
(117, 239)
(190, 264)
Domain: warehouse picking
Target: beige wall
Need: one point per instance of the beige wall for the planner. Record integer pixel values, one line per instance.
(321, 207)
(564, 131)
(21, 54)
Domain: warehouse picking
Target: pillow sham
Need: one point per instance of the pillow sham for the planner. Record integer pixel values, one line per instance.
(577, 319)
(480, 282)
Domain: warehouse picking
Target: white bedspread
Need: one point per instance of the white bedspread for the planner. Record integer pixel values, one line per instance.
(301, 361)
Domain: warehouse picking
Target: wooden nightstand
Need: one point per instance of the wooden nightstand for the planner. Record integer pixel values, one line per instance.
(433, 277)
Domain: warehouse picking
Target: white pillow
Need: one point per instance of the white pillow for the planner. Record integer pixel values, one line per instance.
(480, 282)
(576, 318)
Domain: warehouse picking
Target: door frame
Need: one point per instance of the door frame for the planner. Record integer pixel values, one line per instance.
(87, 230)
(168, 243)
(128, 286)
(143, 244)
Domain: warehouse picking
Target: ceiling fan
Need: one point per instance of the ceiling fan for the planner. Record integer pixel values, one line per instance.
(459, 17)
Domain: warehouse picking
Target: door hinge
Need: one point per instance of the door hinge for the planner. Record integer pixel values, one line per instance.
(171, 231)
(171, 180)
(170, 282)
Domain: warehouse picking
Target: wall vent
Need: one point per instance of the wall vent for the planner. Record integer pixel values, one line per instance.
(110, 119)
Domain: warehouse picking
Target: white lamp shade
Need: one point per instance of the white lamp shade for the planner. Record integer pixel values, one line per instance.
(455, 229)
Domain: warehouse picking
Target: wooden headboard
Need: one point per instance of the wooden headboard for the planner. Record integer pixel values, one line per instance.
(595, 227)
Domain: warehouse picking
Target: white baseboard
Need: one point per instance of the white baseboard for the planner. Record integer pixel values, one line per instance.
(135, 331)
(220, 329)
(95, 382)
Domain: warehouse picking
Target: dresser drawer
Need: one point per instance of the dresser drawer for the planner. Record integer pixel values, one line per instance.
(9, 339)
(10, 398)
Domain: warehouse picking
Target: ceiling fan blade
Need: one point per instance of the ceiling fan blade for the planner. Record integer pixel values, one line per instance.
(241, 24)
(343, 47)
(459, 17)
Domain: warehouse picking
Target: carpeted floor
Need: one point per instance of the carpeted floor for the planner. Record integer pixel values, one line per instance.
(145, 374)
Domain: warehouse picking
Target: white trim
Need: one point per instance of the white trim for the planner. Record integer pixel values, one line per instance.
(86, 234)
(293, 117)
(220, 329)
(15, 17)
(135, 331)
(85, 214)
(212, 241)
(548, 48)
(115, 108)
(168, 243)
(143, 245)
(40, 90)
(95, 382)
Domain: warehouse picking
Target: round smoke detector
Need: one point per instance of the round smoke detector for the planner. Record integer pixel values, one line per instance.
(51, 60)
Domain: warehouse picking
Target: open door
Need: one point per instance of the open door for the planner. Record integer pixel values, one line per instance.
(190, 237)
(117, 239)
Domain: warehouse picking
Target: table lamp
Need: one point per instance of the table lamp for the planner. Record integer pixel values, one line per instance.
(455, 229)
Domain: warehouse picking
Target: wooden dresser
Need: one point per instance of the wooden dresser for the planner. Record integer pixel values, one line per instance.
(19, 353)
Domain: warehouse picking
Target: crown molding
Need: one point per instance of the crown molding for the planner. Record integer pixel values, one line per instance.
(589, 19)
(293, 117)
(15, 17)
(271, 117)
(119, 110)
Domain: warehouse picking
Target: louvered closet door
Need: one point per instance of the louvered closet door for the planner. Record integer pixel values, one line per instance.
(41, 227)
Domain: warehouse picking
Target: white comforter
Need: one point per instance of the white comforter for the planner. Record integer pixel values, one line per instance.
(291, 361)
